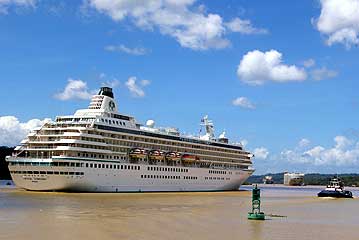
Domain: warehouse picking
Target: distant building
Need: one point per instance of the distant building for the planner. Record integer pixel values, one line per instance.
(293, 179)
(268, 180)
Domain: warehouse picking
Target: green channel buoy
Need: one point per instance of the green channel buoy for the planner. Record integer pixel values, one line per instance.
(256, 213)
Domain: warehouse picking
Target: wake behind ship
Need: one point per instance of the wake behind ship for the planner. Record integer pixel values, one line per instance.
(100, 150)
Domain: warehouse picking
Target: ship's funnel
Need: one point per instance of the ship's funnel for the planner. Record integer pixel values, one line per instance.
(104, 100)
(106, 91)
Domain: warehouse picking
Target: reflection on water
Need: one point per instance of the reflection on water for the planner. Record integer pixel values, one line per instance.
(175, 215)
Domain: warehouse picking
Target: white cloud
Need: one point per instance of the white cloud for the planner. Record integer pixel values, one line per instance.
(75, 89)
(303, 143)
(339, 21)
(342, 142)
(309, 63)
(111, 83)
(244, 26)
(190, 26)
(243, 102)
(344, 153)
(323, 73)
(136, 89)
(261, 153)
(108, 82)
(102, 75)
(12, 131)
(258, 67)
(6, 4)
(244, 142)
(137, 51)
(145, 82)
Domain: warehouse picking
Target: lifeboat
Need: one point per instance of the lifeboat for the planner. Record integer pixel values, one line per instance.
(138, 153)
(189, 158)
(156, 155)
(173, 156)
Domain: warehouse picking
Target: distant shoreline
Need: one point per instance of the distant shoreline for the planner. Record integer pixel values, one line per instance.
(262, 185)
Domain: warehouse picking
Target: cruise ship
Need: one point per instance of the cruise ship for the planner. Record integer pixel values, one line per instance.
(99, 149)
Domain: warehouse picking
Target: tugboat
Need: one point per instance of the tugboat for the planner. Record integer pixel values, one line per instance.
(335, 189)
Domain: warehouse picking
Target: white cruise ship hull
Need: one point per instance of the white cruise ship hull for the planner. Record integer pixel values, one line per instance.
(98, 149)
(135, 178)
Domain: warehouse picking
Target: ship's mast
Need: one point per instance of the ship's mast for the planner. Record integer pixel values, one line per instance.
(208, 124)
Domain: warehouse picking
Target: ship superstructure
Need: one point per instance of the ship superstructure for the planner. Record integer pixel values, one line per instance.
(293, 179)
(99, 149)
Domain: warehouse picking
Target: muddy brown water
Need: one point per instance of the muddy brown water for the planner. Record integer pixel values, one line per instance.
(216, 215)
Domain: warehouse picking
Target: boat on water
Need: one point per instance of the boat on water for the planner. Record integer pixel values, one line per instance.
(268, 180)
(99, 149)
(293, 179)
(335, 189)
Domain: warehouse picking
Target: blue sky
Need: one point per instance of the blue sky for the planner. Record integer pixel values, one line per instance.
(280, 77)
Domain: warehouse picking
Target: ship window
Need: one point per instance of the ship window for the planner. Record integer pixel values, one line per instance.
(95, 165)
(121, 166)
(91, 165)
(125, 167)
(138, 168)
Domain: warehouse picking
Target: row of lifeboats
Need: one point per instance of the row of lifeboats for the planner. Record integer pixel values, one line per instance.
(161, 155)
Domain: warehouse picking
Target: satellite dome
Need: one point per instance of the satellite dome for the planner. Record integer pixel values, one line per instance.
(150, 123)
(222, 135)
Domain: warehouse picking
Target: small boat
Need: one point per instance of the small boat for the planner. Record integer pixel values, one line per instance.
(173, 156)
(189, 158)
(156, 155)
(138, 153)
(335, 189)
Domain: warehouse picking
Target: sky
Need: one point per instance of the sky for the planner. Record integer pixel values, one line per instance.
(279, 77)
